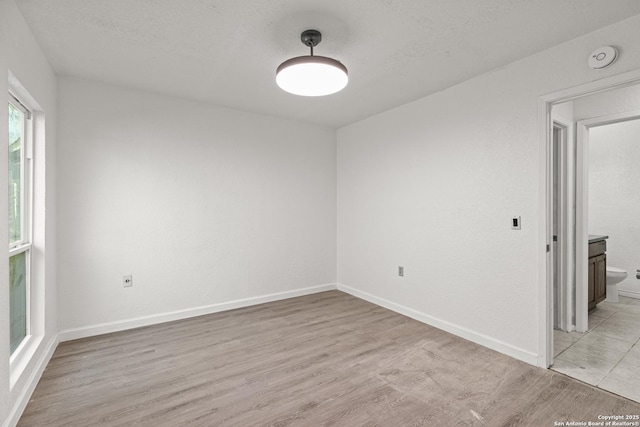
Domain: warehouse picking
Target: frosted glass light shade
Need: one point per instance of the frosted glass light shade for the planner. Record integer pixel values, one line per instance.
(312, 76)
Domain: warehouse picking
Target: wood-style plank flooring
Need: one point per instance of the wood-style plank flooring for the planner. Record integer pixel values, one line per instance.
(323, 359)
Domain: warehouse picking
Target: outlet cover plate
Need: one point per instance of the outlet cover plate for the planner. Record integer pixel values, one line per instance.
(127, 281)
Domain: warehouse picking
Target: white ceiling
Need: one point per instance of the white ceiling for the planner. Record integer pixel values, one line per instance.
(225, 52)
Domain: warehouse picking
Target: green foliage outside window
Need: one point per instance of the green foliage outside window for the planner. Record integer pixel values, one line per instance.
(18, 299)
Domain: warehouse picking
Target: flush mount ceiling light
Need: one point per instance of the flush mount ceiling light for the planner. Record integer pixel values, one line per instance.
(311, 75)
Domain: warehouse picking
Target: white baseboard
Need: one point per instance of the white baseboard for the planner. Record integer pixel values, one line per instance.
(105, 328)
(465, 333)
(30, 385)
(629, 294)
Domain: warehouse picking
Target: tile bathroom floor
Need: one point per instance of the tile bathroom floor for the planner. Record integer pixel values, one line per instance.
(608, 354)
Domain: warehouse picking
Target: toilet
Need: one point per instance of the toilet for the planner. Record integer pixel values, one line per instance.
(614, 276)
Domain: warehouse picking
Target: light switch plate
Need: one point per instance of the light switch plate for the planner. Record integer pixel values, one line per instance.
(516, 223)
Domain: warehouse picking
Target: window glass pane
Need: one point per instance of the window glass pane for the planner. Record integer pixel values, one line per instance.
(18, 298)
(16, 137)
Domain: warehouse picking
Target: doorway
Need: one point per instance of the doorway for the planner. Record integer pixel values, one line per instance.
(605, 348)
(583, 129)
(556, 260)
(563, 210)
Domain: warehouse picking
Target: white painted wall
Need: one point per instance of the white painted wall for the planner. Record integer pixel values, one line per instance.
(614, 199)
(432, 186)
(203, 205)
(563, 112)
(611, 102)
(20, 54)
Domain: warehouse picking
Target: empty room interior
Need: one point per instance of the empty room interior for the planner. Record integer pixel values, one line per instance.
(204, 229)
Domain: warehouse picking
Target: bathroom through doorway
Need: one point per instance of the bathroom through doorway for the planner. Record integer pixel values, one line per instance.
(561, 294)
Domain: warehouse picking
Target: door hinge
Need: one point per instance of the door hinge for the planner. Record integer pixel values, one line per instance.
(548, 248)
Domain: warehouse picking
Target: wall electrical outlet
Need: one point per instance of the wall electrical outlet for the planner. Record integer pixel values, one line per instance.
(127, 281)
(401, 271)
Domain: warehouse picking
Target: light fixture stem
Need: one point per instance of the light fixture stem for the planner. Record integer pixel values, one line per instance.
(311, 46)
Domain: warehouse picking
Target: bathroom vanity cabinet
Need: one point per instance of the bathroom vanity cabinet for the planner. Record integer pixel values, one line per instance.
(597, 271)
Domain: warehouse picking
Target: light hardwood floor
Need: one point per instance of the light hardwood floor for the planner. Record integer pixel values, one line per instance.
(323, 359)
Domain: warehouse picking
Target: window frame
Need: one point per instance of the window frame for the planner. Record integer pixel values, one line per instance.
(24, 245)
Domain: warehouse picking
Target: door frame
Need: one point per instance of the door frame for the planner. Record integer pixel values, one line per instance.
(564, 256)
(545, 198)
(582, 207)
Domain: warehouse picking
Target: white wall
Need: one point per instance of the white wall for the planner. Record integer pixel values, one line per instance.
(615, 101)
(432, 186)
(203, 205)
(20, 54)
(614, 199)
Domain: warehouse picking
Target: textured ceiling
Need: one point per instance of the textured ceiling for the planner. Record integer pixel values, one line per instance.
(225, 52)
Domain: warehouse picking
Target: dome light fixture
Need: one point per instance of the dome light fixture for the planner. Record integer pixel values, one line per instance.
(312, 75)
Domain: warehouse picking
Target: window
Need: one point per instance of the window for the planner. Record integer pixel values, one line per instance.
(19, 222)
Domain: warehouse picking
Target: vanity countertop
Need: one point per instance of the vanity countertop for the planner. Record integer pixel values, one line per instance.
(596, 238)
